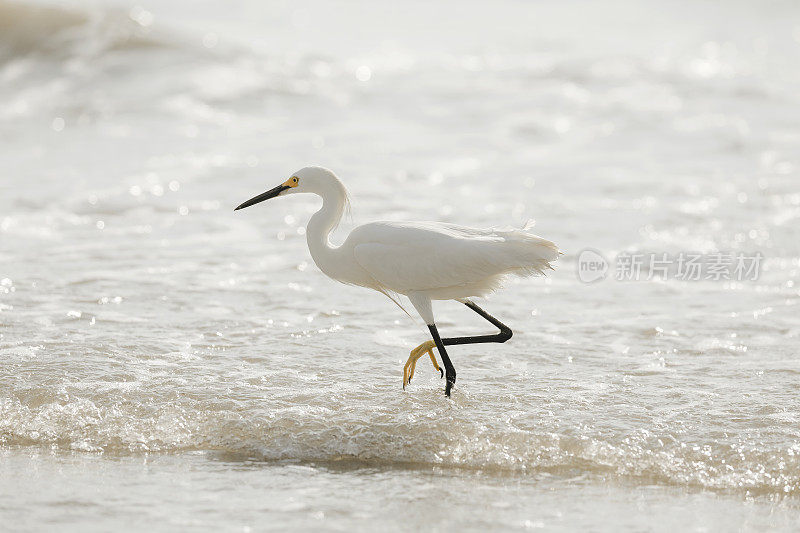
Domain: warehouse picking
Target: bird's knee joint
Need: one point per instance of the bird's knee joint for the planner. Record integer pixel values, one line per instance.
(505, 334)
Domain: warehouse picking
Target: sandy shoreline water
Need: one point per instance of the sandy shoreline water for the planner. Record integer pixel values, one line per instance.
(95, 492)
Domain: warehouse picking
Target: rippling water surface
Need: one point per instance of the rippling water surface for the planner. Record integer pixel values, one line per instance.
(168, 363)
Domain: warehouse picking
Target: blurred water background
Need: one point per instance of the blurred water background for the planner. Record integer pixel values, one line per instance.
(170, 364)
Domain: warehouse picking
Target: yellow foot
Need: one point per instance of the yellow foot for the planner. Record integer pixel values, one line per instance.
(416, 353)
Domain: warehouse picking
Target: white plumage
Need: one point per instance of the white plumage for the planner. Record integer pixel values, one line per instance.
(446, 261)
(422, 260)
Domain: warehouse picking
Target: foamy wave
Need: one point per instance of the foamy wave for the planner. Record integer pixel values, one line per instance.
(445, 437)
(58, 32)
(80, 65)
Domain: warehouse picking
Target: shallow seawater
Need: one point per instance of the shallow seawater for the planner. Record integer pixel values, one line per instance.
(168, 363)
(200, 491)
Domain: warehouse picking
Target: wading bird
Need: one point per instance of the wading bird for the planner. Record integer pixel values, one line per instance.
(424, 261)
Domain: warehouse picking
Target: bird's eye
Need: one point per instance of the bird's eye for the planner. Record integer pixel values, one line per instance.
(294, 180)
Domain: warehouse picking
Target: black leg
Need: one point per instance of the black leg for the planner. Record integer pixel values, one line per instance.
(449, 369)
(504, 334)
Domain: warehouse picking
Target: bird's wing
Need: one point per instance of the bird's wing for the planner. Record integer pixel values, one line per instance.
(427, 256)
(400, 269)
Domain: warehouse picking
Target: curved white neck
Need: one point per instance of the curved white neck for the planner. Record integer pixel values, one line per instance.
(334, 200)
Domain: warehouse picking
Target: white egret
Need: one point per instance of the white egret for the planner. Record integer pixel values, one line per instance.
(423, 261)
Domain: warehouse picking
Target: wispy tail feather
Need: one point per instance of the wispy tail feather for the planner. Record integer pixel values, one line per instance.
(527, 254)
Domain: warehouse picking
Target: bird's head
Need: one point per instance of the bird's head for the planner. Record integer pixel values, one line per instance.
(317, 180)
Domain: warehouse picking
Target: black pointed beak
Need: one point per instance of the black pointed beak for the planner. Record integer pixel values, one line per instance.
(272, 193)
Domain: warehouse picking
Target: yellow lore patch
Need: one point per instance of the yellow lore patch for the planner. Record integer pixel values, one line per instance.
(294, 181)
